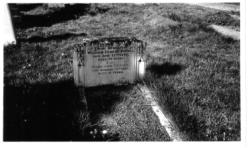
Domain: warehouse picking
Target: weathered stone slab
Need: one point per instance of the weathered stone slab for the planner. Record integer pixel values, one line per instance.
(108, 61)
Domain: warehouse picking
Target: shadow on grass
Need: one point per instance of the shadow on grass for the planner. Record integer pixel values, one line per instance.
(41, 112)
(24, 7)
(50, 112)
(188, 124)
(35, 39)
(66, 13)
(102, 99)
(165, 69)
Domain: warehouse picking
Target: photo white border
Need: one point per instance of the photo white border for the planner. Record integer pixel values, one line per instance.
(243, 82)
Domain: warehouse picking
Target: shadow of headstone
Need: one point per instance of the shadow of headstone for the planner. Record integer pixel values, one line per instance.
(41, 112)
(165, 69)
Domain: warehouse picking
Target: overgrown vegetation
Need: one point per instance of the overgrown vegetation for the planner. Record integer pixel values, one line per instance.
(194, 71)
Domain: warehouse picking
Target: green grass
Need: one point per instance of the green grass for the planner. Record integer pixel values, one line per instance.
(201, 89)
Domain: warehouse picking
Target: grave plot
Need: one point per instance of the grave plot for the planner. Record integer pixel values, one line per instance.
(105, 71)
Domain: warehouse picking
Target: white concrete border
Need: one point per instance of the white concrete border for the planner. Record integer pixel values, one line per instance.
(223, 30)
(164, 119)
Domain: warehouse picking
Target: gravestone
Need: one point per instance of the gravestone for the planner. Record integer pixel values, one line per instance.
(108, 61)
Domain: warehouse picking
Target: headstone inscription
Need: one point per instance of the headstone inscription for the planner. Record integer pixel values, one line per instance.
(108, 61)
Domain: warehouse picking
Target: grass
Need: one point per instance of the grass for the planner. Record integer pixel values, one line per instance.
(204, 96)
(124, 113)
(194, 71)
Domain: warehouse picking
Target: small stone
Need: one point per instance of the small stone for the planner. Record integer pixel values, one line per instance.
(95, 131)
(104, 132)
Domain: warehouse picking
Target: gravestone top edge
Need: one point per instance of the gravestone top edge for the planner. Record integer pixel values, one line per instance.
(110, 39)
(108, 42)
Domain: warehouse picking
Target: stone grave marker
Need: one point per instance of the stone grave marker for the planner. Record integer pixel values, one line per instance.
(108, 61)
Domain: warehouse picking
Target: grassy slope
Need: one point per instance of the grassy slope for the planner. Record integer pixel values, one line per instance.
(201, 90)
